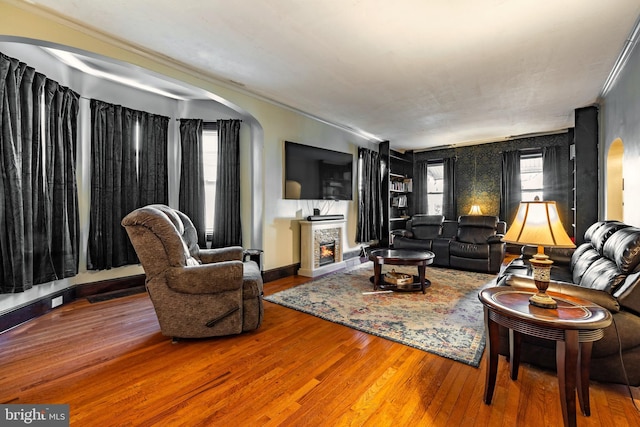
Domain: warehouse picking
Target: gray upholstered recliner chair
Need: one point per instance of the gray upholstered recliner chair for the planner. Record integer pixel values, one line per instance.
(195, 292)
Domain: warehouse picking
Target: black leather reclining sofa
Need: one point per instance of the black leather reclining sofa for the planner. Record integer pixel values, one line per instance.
(605, 270)
(471, 243)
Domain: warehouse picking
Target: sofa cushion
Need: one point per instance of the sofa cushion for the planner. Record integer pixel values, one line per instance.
(426, 226)
(623, 247)
(469, 250)
(582, 259)
(592, 228)
(476, 228)
(602, 233)
(603, 275)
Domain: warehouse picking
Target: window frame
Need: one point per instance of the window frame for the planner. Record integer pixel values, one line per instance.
(532, 191)
(209, 129)
(430, 194)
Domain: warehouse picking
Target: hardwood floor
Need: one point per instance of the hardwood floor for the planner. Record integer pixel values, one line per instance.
(109, 361)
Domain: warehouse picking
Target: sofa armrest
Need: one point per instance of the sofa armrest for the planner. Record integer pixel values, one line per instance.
(497, 238)
(403, 233)
(206, 278)
(629, 292)
(601, 298)
(231, 253)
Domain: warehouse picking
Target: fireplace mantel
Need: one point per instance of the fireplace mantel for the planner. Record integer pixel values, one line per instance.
(313, 232)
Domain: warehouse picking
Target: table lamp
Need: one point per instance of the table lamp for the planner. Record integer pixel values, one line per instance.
(475, 210)
(537, 223)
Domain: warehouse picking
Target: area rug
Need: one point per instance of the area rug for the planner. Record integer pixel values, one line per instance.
(448, 320)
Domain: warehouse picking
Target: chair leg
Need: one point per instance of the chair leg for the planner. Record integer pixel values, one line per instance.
(174, 340)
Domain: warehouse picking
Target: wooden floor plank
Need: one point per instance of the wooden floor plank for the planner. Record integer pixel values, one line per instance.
(109, 361)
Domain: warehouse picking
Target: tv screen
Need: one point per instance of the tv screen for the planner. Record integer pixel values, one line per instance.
(313, 173)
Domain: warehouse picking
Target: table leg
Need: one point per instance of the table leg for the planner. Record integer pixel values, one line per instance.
(421, 273)
(515, 340)
(567, 364)
(584, 364)
(493, 340)
(377, 271)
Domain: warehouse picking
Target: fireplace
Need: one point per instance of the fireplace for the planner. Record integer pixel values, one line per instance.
(321, 245)
(327, 253)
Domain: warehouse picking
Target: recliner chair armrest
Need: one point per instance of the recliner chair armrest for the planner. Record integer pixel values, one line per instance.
(601, 298)
(206, 278)
(230, 253)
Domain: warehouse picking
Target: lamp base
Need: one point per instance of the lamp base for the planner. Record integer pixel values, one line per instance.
(541, 265)
(542, 300)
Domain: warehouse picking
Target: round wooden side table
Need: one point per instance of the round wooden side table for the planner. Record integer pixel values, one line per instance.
(574, 326)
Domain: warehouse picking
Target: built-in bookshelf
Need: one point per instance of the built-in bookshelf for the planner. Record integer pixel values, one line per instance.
(397, 190)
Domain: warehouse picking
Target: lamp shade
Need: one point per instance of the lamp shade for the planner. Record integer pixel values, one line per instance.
(475, 210)
(537, 223)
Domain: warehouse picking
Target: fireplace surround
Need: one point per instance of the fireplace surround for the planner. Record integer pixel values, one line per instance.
(318, 235)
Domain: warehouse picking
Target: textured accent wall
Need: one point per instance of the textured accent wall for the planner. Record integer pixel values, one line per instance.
(488, 171)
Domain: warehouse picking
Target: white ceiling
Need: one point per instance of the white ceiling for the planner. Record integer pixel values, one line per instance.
(420, 73)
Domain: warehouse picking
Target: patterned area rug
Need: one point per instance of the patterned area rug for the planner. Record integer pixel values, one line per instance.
(447, 320)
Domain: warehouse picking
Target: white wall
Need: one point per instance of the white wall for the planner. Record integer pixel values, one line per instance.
(620, 118)
(269, 221)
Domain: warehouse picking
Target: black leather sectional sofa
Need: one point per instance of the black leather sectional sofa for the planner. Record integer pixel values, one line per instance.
(471, 243)
(605, 270)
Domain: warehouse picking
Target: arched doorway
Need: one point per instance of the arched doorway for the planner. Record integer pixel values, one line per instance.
(615, 181)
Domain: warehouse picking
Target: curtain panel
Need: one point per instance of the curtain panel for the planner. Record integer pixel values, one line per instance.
(369, 196)
(122, 177)
(227, 228)
(152, 159)
(38, 216)
(449, 205)
(510, 186)
(553, 182)
(421, 200)
(192, 195)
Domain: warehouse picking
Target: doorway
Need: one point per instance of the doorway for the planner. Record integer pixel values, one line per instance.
(615, 181)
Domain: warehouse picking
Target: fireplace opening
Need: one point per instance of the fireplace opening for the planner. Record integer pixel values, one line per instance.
(327, 253)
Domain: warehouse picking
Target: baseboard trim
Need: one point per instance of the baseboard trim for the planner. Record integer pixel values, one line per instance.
(280, 272)
(43, 305)
(94, 288)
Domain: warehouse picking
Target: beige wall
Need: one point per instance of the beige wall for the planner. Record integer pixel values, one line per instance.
(269, 221)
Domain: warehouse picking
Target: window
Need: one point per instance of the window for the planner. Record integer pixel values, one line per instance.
(210, 165)
(435, 185)
(531, 177)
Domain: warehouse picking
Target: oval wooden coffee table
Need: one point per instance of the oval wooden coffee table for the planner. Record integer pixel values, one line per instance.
(401, 257)
(574, 326)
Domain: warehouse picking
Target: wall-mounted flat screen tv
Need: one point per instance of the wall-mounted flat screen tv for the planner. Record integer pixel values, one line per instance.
(313, 173)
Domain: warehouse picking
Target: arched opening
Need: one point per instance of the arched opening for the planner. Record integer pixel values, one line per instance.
(615, 181)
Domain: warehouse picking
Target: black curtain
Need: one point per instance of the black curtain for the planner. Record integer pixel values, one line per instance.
(38, 215)
(420, 189)
(116, 189)
(61, 117)
(550, 173)
(449, 205)
(421, 202)
(510, 187)
(227, 228)
(192, 196)
(554, 186)
(369, 197)
(152, 160)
